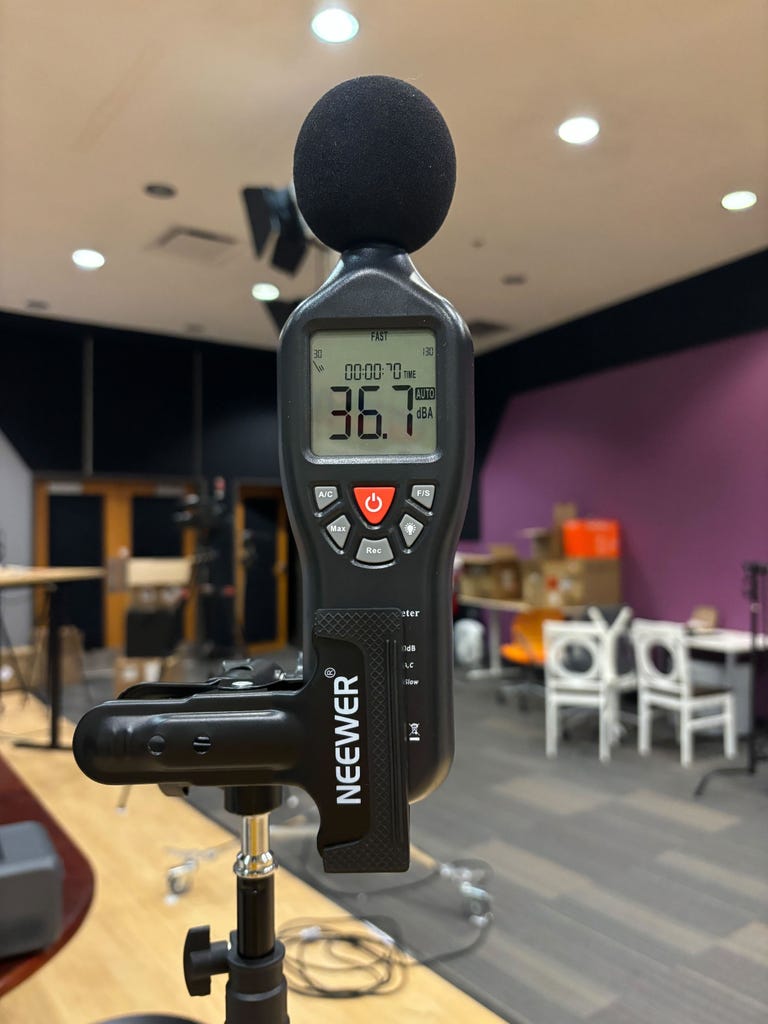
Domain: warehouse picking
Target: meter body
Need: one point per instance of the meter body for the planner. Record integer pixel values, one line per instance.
(376, 417)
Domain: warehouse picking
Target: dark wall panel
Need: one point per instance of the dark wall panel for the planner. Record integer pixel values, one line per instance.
(143, 405)
(41, 377)
(239, 413)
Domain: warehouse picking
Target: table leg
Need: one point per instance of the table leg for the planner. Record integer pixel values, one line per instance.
(495, 670)
(53, 674)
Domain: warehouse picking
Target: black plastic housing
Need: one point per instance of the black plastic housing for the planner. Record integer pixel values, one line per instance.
(378, 287)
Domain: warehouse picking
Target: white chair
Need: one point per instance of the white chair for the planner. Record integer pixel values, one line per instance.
(579, 672)
(622, 676)
(664, 681)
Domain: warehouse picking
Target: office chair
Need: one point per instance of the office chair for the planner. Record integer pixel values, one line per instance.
(525, 652)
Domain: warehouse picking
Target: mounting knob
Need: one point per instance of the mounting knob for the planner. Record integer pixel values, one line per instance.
(202, 960)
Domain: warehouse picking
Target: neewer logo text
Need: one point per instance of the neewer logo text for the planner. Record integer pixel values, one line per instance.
(346, 705)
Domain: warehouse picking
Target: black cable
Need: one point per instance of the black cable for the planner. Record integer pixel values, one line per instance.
(388, 956)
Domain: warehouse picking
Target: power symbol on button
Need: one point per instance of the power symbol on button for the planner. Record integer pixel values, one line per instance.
(374, 502)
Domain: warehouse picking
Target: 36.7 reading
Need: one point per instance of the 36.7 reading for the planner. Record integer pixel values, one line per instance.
(368, 420)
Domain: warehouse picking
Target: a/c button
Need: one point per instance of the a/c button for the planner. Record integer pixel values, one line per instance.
(374, 552)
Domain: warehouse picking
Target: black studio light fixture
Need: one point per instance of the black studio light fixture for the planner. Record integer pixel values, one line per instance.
(273, 216)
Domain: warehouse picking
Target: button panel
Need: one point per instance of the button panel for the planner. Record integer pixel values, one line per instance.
(397, 523)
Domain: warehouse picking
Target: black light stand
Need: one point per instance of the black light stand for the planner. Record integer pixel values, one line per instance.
(256, 992)
(753, 571)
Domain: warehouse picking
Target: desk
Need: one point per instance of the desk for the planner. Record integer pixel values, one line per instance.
(494, 607)
(18, 804)
(50, 577)
(733, 645)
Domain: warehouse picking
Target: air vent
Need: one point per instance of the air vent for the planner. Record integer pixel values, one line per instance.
(484, 328)
(196, 245)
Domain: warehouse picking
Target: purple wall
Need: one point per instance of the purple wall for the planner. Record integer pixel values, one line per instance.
(675, 448)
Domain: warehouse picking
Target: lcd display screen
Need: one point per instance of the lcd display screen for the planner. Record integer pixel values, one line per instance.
(373, 392)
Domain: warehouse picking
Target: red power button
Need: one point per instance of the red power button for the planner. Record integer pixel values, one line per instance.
(374, 502)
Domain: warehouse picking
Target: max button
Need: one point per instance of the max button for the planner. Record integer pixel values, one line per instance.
(338, 531)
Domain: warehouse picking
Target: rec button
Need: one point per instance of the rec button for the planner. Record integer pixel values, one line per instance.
(374, 552)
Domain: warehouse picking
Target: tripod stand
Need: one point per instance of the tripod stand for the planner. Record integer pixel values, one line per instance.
(256, 991)
(754, 572)
(253, 958)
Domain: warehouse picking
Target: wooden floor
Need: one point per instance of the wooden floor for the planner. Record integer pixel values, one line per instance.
(126, 958)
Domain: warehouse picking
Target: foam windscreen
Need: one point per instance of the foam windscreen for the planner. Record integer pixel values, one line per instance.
(374, 163)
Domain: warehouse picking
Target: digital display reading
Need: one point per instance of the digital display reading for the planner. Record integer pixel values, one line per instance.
(373, 392)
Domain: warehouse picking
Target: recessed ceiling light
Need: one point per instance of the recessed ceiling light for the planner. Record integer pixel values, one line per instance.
(738, 200)
(159, 191)
(88, 259)
(579, 130)
(335, 25)
(265, 292)
(514, 279)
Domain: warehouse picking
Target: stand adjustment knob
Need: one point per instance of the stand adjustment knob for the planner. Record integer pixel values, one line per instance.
(203, 959)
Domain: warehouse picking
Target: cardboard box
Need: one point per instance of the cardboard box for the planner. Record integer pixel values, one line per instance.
(541, 540)
(546, 541)
(581, 581)
(476, 577)
(16, 666)
(532, 582)
(71, 661)
(130, 671)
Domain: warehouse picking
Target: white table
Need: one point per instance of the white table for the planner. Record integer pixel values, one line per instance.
(494, 607)
(734, 646)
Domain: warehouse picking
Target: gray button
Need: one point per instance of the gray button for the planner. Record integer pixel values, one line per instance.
(374, 552)
(410, 529)
(325, 496)
(338, 531)
(424, 494)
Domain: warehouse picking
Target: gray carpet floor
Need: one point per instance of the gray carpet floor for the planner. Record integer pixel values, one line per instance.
(618, 898)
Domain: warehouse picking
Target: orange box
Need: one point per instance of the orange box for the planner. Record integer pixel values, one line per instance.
(591, 538)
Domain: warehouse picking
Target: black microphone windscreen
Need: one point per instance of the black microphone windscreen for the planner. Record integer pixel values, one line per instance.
(374, 163)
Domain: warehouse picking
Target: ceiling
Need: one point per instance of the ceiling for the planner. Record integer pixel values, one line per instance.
(99, 99)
